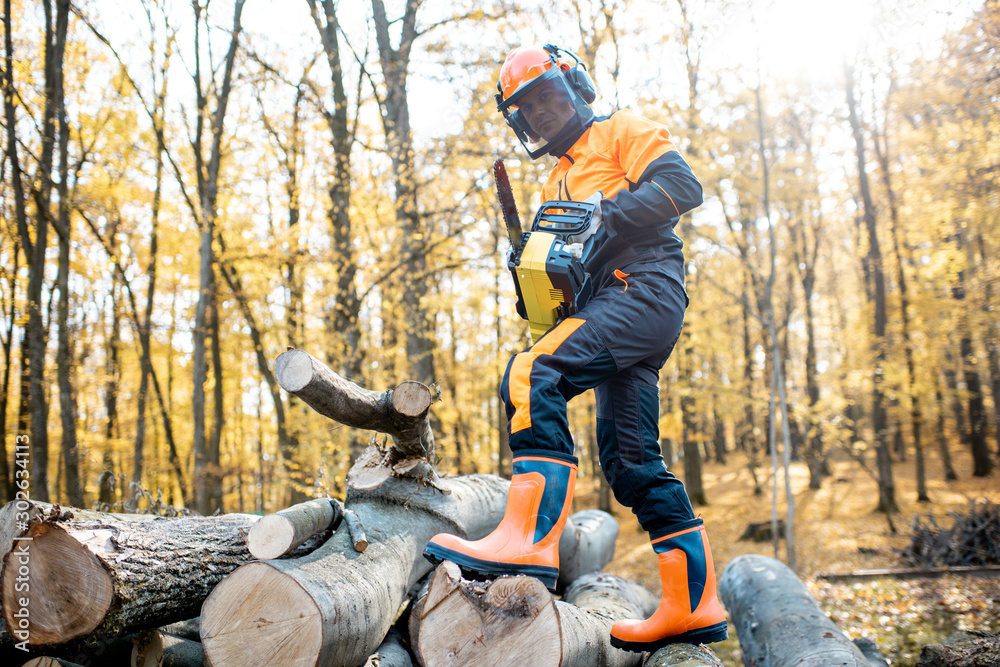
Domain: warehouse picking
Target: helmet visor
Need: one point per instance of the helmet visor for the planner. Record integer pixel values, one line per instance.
(544, 111)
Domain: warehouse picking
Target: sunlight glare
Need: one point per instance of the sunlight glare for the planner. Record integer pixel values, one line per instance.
(810, 38)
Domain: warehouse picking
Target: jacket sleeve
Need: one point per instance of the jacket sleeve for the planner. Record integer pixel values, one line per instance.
(664, 187)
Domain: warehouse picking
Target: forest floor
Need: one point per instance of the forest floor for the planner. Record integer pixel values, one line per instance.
(838, 531)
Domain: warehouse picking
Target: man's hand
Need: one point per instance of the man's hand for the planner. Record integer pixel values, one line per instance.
(595, 222)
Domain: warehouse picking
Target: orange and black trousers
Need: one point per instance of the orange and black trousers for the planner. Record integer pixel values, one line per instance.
(615, 345)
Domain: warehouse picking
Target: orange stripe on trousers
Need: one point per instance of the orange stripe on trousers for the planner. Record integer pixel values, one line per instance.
(519, 383)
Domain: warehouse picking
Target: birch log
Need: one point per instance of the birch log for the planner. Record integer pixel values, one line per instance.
(109, 577)
(587, 545)
(278, 534)
(335, 606)
(516, 621)
(777, 621)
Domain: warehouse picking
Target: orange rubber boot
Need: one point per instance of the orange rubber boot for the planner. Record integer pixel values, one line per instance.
(527, 539)
(689, 610)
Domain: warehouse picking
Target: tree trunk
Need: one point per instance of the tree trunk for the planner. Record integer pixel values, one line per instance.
(107, 484)
(515, 620)
(64, 355)
(344, 329)
(413, 237)
(208, 183)
(887, 488)
(343, 602)
(111, 577)
(942, 436)
(145, 361)
(777, 621)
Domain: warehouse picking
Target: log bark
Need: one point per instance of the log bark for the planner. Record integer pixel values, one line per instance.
(18, 512)
(963, 649)
(400, 412)
(155, 648)
(683, 655)
(515, 620)
(109, 577)
(587, 545)
(280, 533)
(335, 606)
(777, 621)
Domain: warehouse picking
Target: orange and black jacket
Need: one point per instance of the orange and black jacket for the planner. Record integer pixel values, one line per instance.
(646, 187)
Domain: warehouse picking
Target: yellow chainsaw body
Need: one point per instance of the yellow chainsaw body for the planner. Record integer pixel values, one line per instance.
(540, 297)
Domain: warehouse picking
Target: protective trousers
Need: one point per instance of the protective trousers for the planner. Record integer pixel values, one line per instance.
(616, 345)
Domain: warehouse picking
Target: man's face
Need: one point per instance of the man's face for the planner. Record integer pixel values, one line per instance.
(547, 109)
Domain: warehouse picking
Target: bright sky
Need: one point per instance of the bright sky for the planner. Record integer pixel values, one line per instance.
(812, 37)
(796, 38)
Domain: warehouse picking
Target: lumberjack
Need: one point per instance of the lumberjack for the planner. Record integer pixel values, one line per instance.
(629, 170)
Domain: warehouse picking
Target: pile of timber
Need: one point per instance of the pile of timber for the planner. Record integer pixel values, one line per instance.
(973, 539)
(322, 583)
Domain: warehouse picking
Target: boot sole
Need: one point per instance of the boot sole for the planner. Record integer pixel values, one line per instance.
(707, 635)
(475, 568)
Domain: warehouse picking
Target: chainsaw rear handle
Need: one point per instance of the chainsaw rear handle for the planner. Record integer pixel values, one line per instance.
(564, 218)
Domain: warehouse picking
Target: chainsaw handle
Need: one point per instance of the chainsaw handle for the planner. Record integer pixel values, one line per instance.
(564, 218)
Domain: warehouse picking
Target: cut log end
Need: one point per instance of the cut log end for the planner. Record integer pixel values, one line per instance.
(512, 620)
(411, 398)
(249, 617)
(293, 370)
(270, 537)
(70, 589)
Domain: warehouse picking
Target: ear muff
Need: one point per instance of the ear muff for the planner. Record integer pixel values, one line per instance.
(582, 83)
(576, 75)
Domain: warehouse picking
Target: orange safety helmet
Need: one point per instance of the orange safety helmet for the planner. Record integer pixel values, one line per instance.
(527, 67)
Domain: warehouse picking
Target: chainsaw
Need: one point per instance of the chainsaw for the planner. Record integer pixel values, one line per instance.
(548, 270)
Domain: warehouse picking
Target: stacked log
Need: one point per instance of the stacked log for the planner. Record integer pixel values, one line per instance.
(515, 620)
(280, 533)
(335, 606)
(109, 576)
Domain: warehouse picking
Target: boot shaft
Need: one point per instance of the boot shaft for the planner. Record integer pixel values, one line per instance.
(684, 557)
(542, 492)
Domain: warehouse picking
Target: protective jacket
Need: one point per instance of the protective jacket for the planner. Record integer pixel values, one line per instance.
(646, 186)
